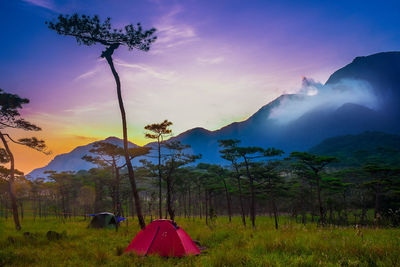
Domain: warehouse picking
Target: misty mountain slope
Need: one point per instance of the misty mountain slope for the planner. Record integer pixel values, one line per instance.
(358, 106)
(72, 161)
(381, 70)
(317, 125)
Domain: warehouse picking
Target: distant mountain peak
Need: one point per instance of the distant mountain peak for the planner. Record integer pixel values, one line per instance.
(72, 161)
(381, 71)
(112, 138)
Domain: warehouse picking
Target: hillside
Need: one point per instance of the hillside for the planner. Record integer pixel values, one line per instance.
(356, 150)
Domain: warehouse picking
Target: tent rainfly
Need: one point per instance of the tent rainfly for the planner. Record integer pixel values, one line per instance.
(105, 220)
(164, 238)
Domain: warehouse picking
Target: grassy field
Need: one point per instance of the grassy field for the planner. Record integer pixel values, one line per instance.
(227, 245)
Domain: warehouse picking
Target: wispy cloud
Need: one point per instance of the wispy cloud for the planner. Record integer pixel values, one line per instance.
(168, 76)
(171, 32)
(42, 3)
(91, 72)
(90, 108)
(86, 75)
(210, 61)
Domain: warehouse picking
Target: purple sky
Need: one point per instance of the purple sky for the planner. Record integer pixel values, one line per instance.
(215, 62)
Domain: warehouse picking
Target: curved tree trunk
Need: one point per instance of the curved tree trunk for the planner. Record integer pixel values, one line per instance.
(321, 208)
(252, 195)
(11, 188)
(169, 200)
(275, 213)
(199, 203)
(228, 201)
(377, 197)
(113, 187)
(206, 198)
(189, 203)
(117, 192)
(240, 196)
(159, 180)
(107, 54)
(274, 207)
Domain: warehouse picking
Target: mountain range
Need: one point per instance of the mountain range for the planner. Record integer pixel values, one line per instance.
(362, 96)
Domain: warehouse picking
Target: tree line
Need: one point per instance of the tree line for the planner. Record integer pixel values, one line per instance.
(253, 181)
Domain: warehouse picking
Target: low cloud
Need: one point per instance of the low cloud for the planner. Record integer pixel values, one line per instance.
(314, 95)
(84, 138)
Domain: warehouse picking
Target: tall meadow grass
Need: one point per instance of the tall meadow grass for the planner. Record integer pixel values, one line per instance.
(228, 244)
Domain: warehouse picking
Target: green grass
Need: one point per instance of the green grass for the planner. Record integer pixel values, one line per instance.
(227, 245)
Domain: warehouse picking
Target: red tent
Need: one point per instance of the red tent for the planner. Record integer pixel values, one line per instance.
(165, 238)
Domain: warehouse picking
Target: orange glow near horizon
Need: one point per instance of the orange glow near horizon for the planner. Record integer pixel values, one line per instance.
(27, 159)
